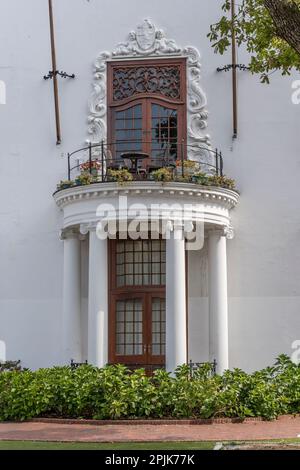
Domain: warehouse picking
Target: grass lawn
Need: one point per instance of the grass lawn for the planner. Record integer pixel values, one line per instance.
(31, 445)
(38, 445)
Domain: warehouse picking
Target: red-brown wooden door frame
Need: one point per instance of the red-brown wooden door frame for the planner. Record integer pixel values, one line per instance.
(146, 358)
(146, 293)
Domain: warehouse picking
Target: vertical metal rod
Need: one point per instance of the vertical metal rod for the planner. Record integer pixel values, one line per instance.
(54, 69)
(217, 162)
(221, 164)
(234, 73)
(90, 157)
(102, 160)
(69, 168)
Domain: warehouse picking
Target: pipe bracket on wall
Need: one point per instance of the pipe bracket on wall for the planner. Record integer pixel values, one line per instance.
(229, 67)
(52, 74)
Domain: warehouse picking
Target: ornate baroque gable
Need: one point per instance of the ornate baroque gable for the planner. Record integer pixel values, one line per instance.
(149, 42)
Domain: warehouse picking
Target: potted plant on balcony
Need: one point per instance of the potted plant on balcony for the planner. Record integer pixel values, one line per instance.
(189, 167)
(65, 184)
(201, 178)
(84, 179)
(162, 174)
(120, 176)
(91, 167)
(221, 181)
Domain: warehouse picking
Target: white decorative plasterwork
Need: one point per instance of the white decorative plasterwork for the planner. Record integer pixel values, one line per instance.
(84, 229)
(65, 234)
(229, 232)
(176, 191)
(149, 42)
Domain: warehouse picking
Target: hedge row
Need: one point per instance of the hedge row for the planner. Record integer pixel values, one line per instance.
(115, 393)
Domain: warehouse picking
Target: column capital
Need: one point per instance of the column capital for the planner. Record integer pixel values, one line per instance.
(226, 231)
(183, 225)
(229, 232)
(84, 229)
(69, 233)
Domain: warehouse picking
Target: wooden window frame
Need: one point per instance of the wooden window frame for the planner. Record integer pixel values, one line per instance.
(179, 104)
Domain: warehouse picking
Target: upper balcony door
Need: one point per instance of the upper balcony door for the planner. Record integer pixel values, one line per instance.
(147, 109)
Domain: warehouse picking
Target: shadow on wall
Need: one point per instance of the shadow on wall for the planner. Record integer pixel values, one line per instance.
(2, 92)
(2, 351)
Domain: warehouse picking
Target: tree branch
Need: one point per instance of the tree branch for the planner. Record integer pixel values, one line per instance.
(286, 17)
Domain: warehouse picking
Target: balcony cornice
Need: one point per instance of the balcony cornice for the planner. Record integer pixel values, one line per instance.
(86, 205)
(174, 190)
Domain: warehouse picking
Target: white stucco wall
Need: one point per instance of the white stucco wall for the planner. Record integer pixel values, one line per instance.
(263, 259)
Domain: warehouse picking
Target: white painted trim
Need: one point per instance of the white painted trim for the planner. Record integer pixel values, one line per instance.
(209, 205)
(150, 43)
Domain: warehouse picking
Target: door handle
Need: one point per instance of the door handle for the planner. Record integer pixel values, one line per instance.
(147, 349)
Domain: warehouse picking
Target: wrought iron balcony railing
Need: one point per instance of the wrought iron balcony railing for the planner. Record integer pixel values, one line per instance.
(181, 159)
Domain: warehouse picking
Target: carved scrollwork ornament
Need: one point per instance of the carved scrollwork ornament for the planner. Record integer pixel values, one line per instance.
(84, 229)
(131, 81)
(149, 41)
(229, 232)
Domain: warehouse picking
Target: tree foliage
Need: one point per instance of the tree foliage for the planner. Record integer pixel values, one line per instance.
(269, 29)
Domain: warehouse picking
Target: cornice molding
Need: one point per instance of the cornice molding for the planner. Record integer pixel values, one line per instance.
(150, 42)
(215, 195)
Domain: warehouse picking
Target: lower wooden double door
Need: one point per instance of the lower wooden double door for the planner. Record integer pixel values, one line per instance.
(137, 330)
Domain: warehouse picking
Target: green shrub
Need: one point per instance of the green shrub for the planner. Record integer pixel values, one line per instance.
(65, 184)
(84, 179)
(121, 176)
(221, 181)
(117, 393)
(162, 174)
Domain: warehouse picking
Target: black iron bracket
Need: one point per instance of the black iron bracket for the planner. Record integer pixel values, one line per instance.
(51, 74)
(229, 67)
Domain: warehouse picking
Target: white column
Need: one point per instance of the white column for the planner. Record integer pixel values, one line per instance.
(71, 327)
(98, 302)
(218, 305)
(176, 341)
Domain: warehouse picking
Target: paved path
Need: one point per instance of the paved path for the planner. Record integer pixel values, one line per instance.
(285, 427)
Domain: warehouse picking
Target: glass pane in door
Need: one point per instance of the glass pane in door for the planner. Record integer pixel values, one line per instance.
(129, 327)
(140, 262)
(164, 127)
(158, 326)
(128, 130)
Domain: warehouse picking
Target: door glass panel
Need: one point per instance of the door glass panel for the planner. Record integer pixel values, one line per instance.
(158, 326)
(129, 327)
(141, 263)
(164, 126)
(128, 130)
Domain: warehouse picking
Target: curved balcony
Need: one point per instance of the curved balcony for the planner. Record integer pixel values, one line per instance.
(198, 188)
